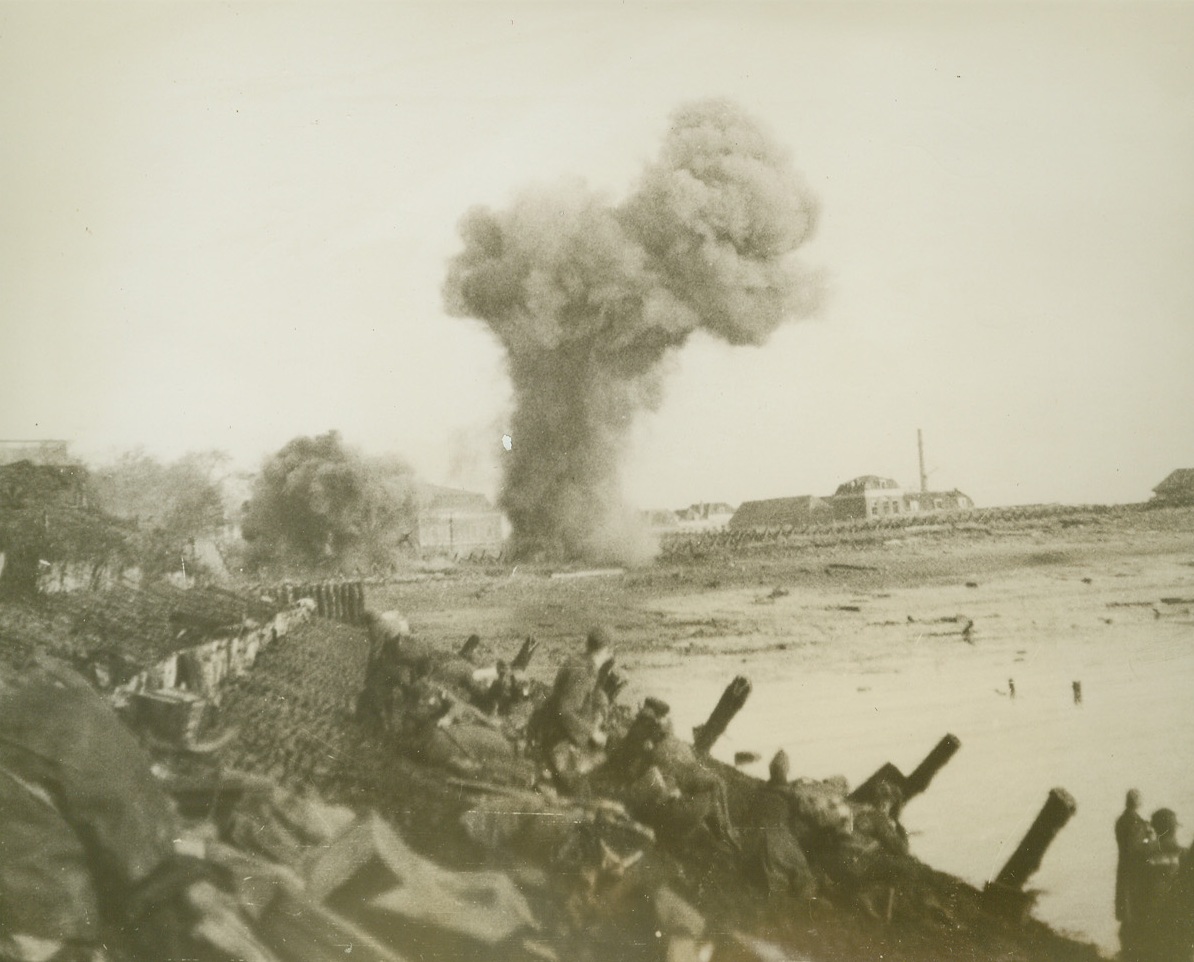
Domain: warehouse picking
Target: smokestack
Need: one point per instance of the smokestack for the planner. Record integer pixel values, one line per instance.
(588, 298)
(920, 447)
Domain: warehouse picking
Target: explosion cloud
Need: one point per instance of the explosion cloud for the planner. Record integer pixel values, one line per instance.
(588, 298)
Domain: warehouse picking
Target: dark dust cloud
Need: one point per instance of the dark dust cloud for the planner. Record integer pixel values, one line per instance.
(589, 297)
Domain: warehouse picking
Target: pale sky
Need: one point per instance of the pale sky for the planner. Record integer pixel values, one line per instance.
(225, 225)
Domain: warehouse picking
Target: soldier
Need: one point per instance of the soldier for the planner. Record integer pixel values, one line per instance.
(1157, 891)
(384, 669)
(1131, 829)
(1180, 915)
(773, 852)
(680, 793)
(569, 726)
(439, 730)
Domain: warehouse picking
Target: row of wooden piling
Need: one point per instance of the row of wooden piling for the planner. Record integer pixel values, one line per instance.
(339, 600)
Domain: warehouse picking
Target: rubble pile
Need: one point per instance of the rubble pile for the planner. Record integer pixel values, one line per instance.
(294, 711)
(127, 625)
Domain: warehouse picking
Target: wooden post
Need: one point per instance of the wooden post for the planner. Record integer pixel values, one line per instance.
(907, 786)
(732, 699)
(338, 601)
(469, 647)
(934, 761)
(360, 602)
(321, 600)
(1059, 807)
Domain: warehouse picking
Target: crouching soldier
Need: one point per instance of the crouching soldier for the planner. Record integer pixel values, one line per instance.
(569, 727)
(438, 729)
(773, 853)
(670, 788)
(865, 856)
(386, 667)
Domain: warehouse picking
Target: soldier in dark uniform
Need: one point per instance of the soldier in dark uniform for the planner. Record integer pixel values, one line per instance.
(1157, 939)
(1131, 830)
(773, 852)
(569, 726)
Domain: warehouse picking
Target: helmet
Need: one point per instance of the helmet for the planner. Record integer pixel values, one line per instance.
(599, 638)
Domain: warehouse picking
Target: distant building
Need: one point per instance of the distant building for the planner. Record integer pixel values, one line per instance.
(868, 496)
(36, 452)
(705, 516)
(1176, 489)
(926, 502)
(781, 512)
(457, 524)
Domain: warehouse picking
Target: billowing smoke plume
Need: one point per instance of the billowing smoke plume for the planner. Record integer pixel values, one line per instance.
(588, 298)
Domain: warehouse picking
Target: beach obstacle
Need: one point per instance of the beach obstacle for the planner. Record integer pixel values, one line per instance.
(732, 699)
(1005, 894)
(907, 786)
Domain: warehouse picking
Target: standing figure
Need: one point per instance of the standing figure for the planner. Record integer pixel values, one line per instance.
(1131, 831)
(1159, 910)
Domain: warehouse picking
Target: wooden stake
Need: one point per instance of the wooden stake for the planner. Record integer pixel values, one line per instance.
(732, 699)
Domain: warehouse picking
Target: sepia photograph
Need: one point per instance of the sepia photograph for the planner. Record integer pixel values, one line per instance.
(596, 481)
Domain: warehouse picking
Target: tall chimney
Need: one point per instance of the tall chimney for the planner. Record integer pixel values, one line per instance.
(920, 447)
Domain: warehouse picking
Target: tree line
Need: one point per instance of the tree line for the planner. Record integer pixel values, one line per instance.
(317, 506)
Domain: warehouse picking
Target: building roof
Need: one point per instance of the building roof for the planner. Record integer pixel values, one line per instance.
(705, 509)
(957, 499)
(866, 482)
(1180, 480)
(775, 512)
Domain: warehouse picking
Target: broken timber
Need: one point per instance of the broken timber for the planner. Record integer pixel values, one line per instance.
(1006, 893)
(732, 699)
(907, 786)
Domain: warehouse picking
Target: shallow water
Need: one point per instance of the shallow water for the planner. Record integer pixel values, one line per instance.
(845, 703)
